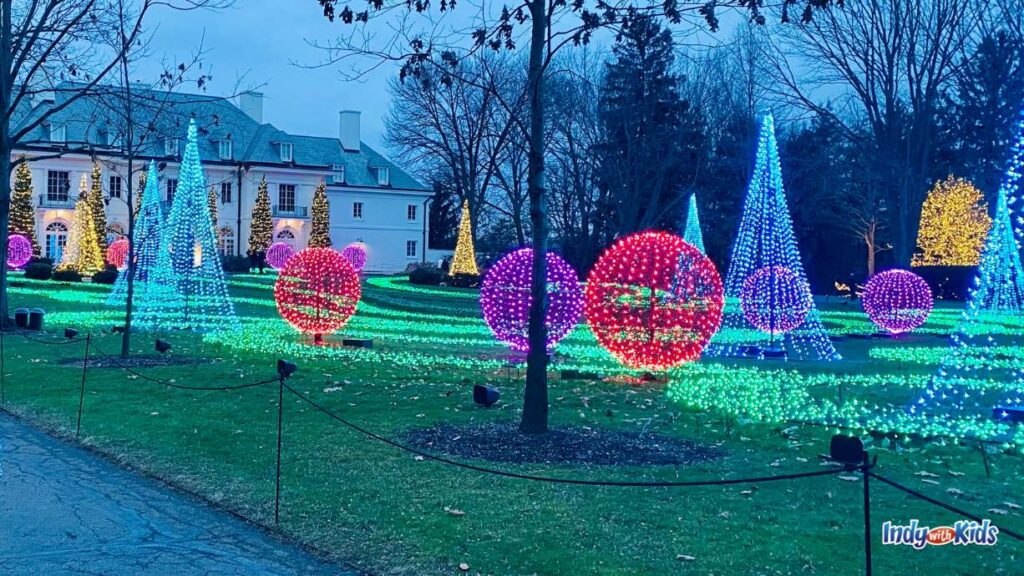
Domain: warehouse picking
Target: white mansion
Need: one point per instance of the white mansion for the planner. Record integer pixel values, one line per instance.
(371, 199)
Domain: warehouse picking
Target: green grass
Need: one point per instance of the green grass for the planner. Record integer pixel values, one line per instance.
(384, 511)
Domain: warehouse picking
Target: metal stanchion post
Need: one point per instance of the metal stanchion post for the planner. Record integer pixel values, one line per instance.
(867, 516)
(280, 414)
(81, 393)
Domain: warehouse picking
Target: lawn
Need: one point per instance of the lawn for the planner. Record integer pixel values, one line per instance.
(384, 511)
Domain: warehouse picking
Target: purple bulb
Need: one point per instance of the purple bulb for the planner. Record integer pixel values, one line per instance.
(278, 255)
(897, 301)
(19, 250)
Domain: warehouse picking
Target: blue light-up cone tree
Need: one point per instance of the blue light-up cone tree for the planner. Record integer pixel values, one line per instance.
(978, 372)
(777, 313)
(692, 232)
(148, 226)
(188, 290)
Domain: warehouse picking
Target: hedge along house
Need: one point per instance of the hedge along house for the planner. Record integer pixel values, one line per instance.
(371, 200)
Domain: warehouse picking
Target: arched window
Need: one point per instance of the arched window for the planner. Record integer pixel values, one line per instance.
(56, 240)
(287, 236)
(226, 241)
(114, 232)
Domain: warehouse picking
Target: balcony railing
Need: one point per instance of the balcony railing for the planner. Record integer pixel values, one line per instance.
(290, 211)
(64, 202)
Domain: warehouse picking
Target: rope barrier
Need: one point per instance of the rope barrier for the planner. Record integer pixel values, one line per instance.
(951, 508)
(556, 480)
(182, 386)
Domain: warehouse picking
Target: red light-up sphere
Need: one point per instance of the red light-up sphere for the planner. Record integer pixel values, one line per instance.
(117, 253)
(317, 291)
(278, 255)
(654, 301)
(19, 251)
(505, 299)
(775, 300)
(897, 301)
(355, 253)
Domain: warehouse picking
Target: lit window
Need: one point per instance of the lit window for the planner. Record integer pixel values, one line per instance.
(357, 210)
(171, 147)
(410, 213)
(410, 248)
(225, 149)
(383, 176)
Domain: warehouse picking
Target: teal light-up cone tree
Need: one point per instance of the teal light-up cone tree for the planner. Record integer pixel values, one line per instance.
(769, 308)
(188, 290)
(149, 223)
(982, 370)
(691, 232)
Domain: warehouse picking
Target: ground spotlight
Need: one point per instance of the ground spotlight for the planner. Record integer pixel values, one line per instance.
(70, 333)
(117, 329)
(485, 395)
(162, 345)
(846, 449)
(286, 368)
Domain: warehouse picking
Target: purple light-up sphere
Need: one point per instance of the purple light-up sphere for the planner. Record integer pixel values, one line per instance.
(505, 299)
(278, 255)
(897, 301)
(355, 253)
(775, 299)
(19, 250)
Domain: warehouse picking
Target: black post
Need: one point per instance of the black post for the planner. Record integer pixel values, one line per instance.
(280, 413)
(3, 377)
(867, 517)
(81, 393)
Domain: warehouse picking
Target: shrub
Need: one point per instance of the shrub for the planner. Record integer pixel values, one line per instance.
(464, 281)
(234, 263)
(107, 276)
(40, 260)
(67, 275)
(38, 271)
(426, 275)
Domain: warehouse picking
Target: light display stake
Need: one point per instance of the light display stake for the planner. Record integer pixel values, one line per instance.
(653, 300)
(505, 299)
(692, 233)
(317, 292)
(149, 222)
(897, 301)
(188, 289)
(954, 224)
(464, 259)
(117, 253)
(278, 255)
(19, 251)
(355, 253)
(775, 300)
(765, 239)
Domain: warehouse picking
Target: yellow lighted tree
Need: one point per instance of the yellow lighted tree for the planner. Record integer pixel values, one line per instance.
(83, 253)
(261, 229)
(23, 213)
(320, 233)
(98, 207)
(464, 260)
(211, 199)
(954, 224)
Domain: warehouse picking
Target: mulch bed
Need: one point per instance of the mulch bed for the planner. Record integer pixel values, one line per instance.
(594, 446)
(133, 361)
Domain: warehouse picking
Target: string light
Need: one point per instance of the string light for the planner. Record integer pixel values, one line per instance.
(692, 233)
(765, 239)
(19, 251)
(897, 301)
(188, 290)
(954, 224)
(464, 259)
(505, 299)
(355, 253)
(320, 228)
(117, 253)
(653, 300)
(23, 213)
(278, 255)
(82, 252)
(149, 222)
(317, 291)
(775, 300)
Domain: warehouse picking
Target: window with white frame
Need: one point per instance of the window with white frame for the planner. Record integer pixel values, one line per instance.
(225, 192)
(58, 133)
(383, 177)
(172, 187)
(286, 236)
(113, 138)
(116, 186)
(170, 147)
(286, 150)
(56, 240)
(58, 184)
(357, 210)
(225, 149)
(410, 248)
(226, 241)
(337, 175)
(410, 213)
(286, 197)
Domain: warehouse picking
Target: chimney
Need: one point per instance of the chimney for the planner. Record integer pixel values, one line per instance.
(252, 104)
(348, 130)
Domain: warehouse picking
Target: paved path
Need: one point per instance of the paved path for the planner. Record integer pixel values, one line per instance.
(65, 511)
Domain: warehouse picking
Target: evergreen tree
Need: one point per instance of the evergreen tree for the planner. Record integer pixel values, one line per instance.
(23, 214)
(692, 232)
(98, 207)
(320, 235)
(149, 223)
(464, 260)
(261, 229)
(954, 225)
(82, 252)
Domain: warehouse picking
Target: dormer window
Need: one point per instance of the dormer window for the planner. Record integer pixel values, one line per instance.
(337, 175)
(224, 149)
(58, 133)
(113, 138)
(383, 177)
(286, 151)
(170, 147)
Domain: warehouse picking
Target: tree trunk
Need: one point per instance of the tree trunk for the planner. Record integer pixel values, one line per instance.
(535, 401)
(130, 269)
(5, 150)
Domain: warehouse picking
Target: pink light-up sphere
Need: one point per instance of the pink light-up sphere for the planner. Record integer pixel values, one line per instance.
(505, 299)
(278, 255)
(897, 301)
(117, 253)
(19, 250)
(355, 253)
(775, 300)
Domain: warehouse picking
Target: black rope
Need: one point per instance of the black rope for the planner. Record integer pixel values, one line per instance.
(182, 386)
(555, 480)
(26, 336)
(949, 507)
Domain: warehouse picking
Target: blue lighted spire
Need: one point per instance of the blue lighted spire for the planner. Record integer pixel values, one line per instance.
(765, 242)
(188, 290)
(149, 223)
(692, 233)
